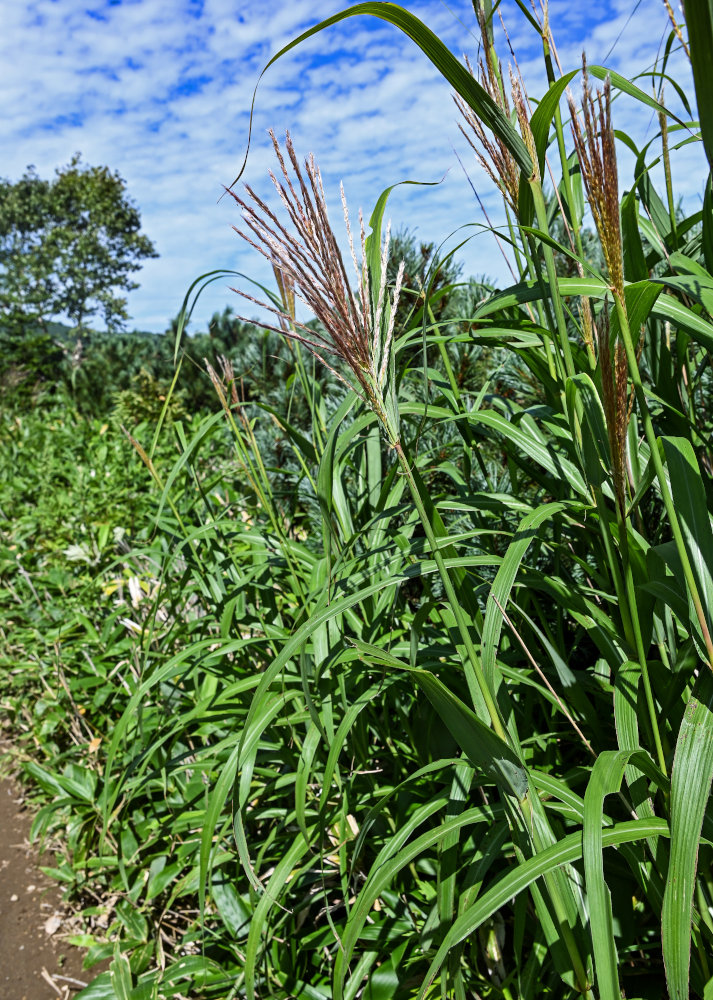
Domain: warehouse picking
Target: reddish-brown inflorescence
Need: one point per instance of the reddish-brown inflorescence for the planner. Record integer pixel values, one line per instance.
(356, 328)
(596, 150)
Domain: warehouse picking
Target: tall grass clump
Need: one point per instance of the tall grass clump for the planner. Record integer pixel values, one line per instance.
(430, 713)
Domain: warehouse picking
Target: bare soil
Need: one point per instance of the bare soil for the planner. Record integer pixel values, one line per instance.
(36, 962)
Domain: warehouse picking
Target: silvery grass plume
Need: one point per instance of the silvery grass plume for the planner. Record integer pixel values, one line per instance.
(356, 325)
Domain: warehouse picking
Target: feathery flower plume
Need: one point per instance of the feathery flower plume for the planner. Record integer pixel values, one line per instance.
(523, 120)
(596, 150)
(357, 326)
(677, 28)
(492, 154)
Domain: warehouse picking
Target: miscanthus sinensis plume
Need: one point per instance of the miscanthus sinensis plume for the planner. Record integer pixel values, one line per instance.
(595, 144)
(354, 338)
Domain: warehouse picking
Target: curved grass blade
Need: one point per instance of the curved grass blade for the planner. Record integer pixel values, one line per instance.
(483, 748)
(564, 852)
(604, 780)
(434, 49)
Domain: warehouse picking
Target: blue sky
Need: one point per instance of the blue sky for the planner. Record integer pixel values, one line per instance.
(161, 89)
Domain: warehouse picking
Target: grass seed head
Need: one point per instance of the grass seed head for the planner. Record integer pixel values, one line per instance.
(596, 150)
(492, 154)
(355, 326)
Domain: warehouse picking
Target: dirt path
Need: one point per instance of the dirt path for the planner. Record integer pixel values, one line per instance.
(36, 963)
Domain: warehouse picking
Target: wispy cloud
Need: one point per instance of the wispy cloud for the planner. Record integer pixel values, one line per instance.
(161, 91)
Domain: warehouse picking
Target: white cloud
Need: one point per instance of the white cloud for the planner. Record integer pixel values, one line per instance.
(161, 91)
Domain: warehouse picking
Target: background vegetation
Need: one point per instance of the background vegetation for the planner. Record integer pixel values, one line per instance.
(374, 659)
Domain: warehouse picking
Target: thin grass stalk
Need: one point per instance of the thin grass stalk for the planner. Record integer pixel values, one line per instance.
(535, 184)
(663, 124)
(559, 132)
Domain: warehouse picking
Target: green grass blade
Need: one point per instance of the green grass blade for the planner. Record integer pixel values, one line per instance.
(690, 790)
(505, 580)
(690, 499)
(699, 22)
(484, 749)
(604, 780)
(707, 230)
(566, 851)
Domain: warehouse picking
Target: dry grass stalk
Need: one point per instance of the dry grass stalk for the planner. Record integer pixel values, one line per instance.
(356, 326)
(676, 27)
(587, 321)
(228, 381)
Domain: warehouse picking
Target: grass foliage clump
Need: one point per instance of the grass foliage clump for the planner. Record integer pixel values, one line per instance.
(421, 705)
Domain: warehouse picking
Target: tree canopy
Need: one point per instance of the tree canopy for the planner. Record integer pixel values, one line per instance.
(68, 248)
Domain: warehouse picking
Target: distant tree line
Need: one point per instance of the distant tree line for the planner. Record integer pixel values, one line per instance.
(69, 250)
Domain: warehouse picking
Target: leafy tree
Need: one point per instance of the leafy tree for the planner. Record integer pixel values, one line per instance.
(68, 248)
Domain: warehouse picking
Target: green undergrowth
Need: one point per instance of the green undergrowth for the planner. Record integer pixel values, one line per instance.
(418, 703)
